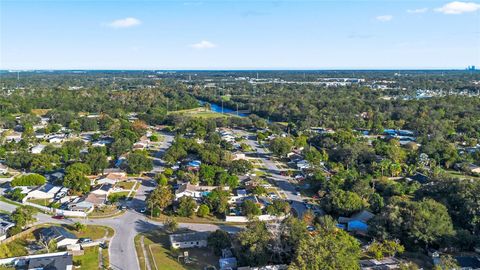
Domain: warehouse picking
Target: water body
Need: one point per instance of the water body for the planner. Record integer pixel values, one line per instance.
(215, 107)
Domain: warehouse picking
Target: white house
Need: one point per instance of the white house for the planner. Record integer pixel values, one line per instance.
(46, 191)
(113, 178)
(194, 191)
(239, 155)
(4, 226)
(189, 240)
(56, 139)
(15, 136)
(3, 169)
(104, 189)
(61, 236)
(37, 149)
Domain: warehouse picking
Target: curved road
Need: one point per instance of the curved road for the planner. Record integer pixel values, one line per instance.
(122, 251)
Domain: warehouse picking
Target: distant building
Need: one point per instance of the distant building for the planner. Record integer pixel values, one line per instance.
(47, 191)
(189, 240)
(193, 191)
(37, 149)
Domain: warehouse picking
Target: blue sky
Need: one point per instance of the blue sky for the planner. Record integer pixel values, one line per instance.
(214, 34)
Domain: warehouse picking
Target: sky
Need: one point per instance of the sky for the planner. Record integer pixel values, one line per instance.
(246, 34)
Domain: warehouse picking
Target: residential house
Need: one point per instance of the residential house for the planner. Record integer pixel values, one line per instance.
(357, 223)
(13, 137)
(58, 234)
(3, 169)
(46, 191)
(385, 263)
(104, 189)
(82, 204)
(57, 262)
(49, 261)
(239, 155)
(4, 226)
(113, 178)
(468, 262)
(56, 139)
(194, 165)
(189, 240)
(194, 191)
(37, 149)
(303, 165)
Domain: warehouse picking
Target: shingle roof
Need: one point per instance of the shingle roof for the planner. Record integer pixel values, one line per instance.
(189, 237)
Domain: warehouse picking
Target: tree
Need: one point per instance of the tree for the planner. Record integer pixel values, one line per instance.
(120, 146)
(32, 179)
(253, 244)
(139, 162)
(170, 225)
(278, 208)
(240, 166)
(281, 146)
(161, 179)
(23, 216)
(79, 227)
(327, 250)
(217, 200)
(77, 181)
(343, 202)
(79, 167)
(159, 199)
(96, 159)
(187, 206)
(387, 248)
(203, 210)
(219, 240)
(447, 262)
(250, 209)
(426, 221)
(16, 194)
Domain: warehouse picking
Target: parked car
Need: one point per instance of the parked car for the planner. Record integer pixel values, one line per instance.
(58, 217)
(85, 240)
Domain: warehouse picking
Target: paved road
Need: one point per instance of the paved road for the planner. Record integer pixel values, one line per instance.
(282, 181)
(122, 251)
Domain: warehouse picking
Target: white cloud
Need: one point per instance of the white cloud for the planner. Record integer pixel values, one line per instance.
(204, 44)
(457, 7)
(417, 11)
(125, 23)
(384, 18)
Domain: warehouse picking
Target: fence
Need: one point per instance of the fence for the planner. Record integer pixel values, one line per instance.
(245, 219)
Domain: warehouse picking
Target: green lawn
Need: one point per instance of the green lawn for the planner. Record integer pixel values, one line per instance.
(89, 260)
(126, 184)
(161, 257)
(461, 175)
(94, 232)
(200, 112)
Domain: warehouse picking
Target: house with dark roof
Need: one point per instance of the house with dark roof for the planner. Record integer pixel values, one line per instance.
(189, 240)
(58, 234)
(4, 226)
(58, 262)
(468, 262)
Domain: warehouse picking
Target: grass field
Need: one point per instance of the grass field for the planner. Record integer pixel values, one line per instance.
(94, 232)
(126, 184)
(201, 113)
(457, 174)
(89, 260)
(161, 257)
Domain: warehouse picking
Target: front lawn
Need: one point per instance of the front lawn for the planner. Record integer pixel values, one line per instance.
(93, 232)
(89, 260)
